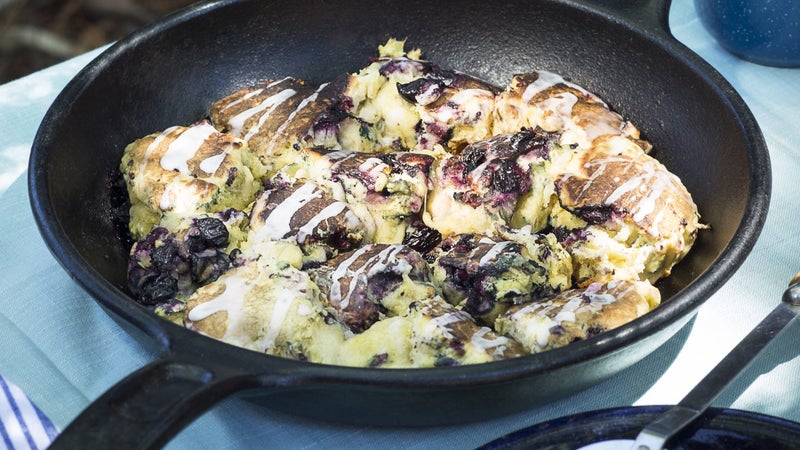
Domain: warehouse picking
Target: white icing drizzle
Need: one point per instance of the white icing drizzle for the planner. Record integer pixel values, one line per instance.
(280, 310)
(230, 300)
(373, 166)
(305, 102)
(651, 186)
(278, 224)
(338, 155)
(443, 321)
(329, 211)
(185, 146)
(304, 310)
(247, 96)
(340, 272)
(547, 80)
(376, 264)
(536, 315)
(264, 117)
(388, 258)
(561, 106)
(497, 343)
(277, 82)
(237, 122)
(600, 165)
(376, 171)
(253, 93)
(212, 163)
(179, 196)
(557, 112)
(153, 145)
(493, 252)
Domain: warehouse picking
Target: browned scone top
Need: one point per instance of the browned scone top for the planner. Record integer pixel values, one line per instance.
(616, 178)
(183, 171)
(627, 198)
(577, 314)
(546, 100)
(275, 114)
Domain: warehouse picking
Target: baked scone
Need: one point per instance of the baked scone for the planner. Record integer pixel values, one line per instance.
(274, 117)
(306, 214)
(387, 191)
(166, 266)
(374, 281)
(399, 102)
(577, 314)
(430, 333)
(185, 171)
(545, 100)
(490, 180)
(639, 219)
(268, 305)
(483, 277)
(443, 335)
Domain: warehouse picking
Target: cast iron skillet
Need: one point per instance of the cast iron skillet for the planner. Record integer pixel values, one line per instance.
(170, 72)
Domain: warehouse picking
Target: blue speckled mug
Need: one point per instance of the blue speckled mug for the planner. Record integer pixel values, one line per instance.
(762, 31)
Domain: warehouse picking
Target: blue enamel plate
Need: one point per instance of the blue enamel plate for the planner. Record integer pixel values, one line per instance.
(716, 429)
(22, 424)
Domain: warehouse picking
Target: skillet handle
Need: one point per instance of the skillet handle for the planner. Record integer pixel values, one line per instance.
(150, 406)
(649, 15)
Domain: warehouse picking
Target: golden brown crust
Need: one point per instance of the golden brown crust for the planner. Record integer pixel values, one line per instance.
(215, 325)
(185, 171)
(273, 116)
(542, 99)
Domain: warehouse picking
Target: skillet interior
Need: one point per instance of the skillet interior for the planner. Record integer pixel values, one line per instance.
(169, 74)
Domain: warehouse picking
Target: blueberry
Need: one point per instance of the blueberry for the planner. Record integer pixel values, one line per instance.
(594, 330)
(595, 214)
(207, 232)
(508, 177)
(473, 156)
(213, 230)
(445, 361)
(422, 91)
(423, 239)
(158, 290)
(166, 256)
(568, 237)
(207, 268)
(527, 141)
(378, 360)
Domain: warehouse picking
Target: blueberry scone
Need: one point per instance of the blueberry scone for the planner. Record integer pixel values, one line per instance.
(577, 314)
(386, 191)
(305, 213)
(494, 181)
(186, 171)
